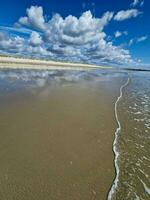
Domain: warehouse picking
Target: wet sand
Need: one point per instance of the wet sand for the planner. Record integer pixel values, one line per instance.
(56, 141)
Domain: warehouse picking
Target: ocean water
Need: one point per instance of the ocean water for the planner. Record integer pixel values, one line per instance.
(133, 143)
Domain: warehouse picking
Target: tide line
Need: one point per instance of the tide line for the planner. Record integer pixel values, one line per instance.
(116, 153)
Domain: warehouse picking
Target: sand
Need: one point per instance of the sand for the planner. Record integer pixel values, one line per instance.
(24, 63)
(56, 141)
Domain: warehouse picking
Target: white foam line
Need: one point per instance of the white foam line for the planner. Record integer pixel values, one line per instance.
(115, 183)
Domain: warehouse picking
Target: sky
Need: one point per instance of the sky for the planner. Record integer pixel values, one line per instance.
(103, 32)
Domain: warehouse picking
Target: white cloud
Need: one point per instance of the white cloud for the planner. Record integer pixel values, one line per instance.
(137, 40)
(137, 2)
(15, 44)
(131, 41)
(107, 52)
(80, 39)
(35, 39)
(38, 50)
(142, 3)
(119, 33)
(74, 31)
(16, 29)
(141, 39)
(84, 38)
(18, 45)
(34, 19)
(126, 14)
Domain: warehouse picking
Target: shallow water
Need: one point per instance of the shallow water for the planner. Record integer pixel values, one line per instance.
(56, 134)
(134, 139)
(57, 130)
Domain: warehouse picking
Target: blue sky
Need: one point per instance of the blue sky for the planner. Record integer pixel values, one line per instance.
(108, 32)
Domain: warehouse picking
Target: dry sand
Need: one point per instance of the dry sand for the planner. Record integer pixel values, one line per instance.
(24, 63)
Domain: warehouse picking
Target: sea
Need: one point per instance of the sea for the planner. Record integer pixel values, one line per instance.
(133, 143)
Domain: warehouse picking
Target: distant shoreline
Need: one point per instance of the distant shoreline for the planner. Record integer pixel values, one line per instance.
(26, 63)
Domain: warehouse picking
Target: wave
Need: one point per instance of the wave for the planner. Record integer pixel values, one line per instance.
(116, 153)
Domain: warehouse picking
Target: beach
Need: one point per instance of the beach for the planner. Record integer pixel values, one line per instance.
(71, 134)
(26, 63)
(57, 134)
(74, 100)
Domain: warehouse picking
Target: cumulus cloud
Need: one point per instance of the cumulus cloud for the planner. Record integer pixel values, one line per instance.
(34, 18)
(25, 47)
(38, 50)
(74, 31)
(80, 39)
(119, 33)
(35, 39)
(83, 37)
(126, 14)
(14, 44)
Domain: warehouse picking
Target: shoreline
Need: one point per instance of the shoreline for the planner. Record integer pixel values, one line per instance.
(116, 153)
(25, 63)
